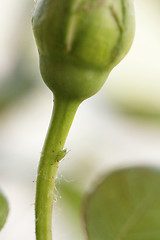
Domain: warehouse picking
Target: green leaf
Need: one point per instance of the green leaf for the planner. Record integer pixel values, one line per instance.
(125, 206)
(3, 210)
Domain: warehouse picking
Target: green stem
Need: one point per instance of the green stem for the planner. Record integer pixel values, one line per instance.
(63, 115)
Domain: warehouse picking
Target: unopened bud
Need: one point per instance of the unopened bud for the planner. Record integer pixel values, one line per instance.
(80, 41)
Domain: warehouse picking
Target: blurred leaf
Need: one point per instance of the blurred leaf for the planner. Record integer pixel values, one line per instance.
(3, 210)
(70, 195)
(17, 85)
(125, 206)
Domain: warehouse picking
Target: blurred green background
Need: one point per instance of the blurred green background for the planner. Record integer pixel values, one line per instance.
(119, 126)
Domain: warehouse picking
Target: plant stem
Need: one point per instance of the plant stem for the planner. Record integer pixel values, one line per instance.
(63, 115)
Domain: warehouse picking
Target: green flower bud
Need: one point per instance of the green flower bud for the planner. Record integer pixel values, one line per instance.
(80, 41)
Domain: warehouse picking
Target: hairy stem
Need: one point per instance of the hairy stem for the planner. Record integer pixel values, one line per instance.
(63, 115)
